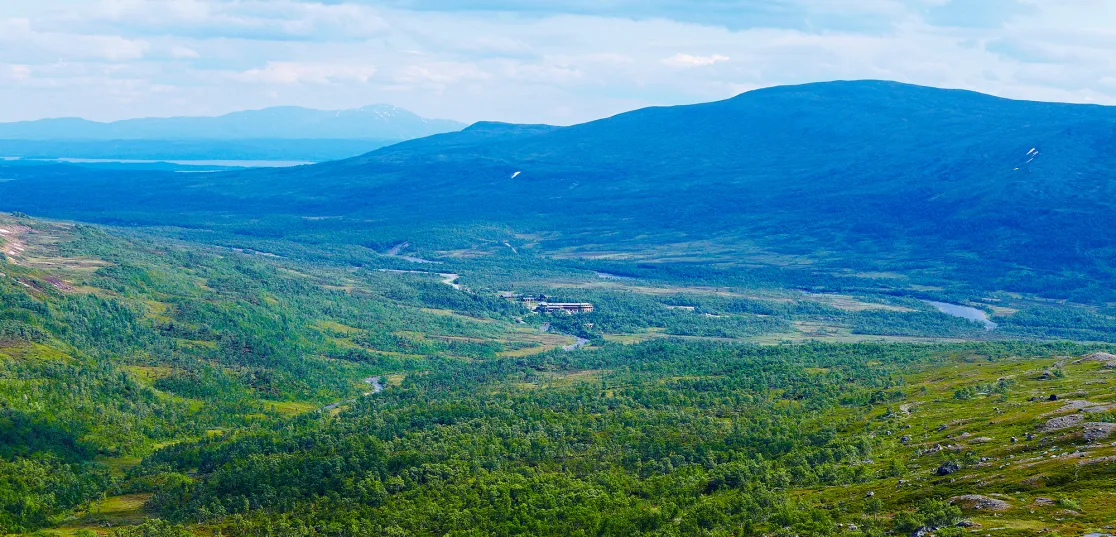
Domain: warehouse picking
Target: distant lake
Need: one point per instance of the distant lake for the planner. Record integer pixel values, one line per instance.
(965, 312)
(225, 163)
(211, 163)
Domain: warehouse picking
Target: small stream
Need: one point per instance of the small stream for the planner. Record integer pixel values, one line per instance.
(377, 385)
(448, 278)
(581, 342)
(396, 251)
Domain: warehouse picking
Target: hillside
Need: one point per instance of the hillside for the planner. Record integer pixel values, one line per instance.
(950, 186)
(163, 387)
(113, 346)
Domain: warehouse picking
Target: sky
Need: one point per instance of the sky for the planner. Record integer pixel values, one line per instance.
(528, 61)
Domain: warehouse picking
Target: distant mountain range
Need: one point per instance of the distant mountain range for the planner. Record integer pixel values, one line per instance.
(865, 175)
(379, 122)
(283, 133)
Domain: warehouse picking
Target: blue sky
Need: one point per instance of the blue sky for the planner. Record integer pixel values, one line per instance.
(528, 61)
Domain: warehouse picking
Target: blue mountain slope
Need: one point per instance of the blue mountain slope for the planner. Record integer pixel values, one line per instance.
(860, 170)
(863, 153)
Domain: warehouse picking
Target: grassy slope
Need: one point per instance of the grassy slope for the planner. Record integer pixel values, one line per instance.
(394, 322)
(1077, 475)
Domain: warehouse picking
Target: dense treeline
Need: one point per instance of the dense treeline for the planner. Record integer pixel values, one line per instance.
(164, 343)
(209, 351)
(662, 438)
(920, 323)
(1077, 324)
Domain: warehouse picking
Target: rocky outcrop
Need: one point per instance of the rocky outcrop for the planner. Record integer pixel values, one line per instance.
(1109, 360)
(1098, 409)
(1099, 431)
(947, 468)
(1062, 422)
(1073, 405)
(976, 502)
(1099, 357)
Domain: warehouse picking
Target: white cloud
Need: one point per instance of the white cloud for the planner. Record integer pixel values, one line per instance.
(244, 19)
(688, 60)
(438, 74)
(184, 52)
(19, 72)
(284, 73)
(22, 41)
(108, 59)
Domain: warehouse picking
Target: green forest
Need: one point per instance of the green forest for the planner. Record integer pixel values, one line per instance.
(156, 384)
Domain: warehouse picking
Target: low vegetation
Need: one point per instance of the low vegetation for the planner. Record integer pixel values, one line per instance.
(158, 387)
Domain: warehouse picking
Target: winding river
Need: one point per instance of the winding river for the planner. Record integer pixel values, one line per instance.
(965, 312)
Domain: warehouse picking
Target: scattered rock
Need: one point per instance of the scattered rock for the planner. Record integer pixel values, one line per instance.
(1063, 422)
(981, 440)
(1099, 431)
(976, 502)
(968, 524)
(1099, 357)
(1053, 396)
(1030, 436)
(1014, 440)
(947, 468)
(1098, 460)
(921, 532)
(870, 494)
(905, 439)
(1044, 501)
(942, 427)
(1098, 409)
(1076, 404)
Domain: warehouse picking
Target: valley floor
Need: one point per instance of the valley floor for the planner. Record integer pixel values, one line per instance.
(154, 386)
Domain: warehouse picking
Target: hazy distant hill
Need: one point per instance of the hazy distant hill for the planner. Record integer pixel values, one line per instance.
(866, 174)
(275, 134)
(379, 122)
(258, 149)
